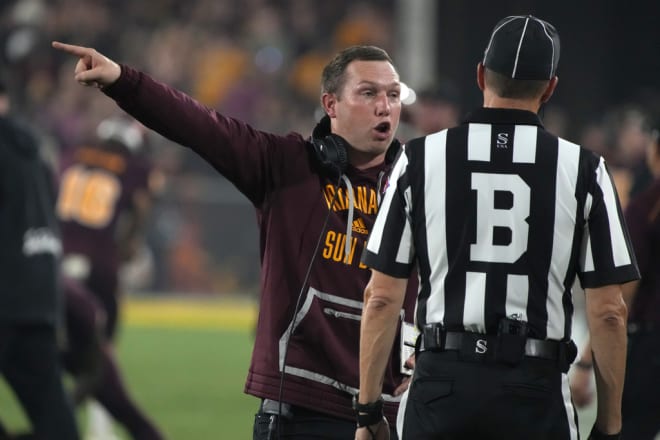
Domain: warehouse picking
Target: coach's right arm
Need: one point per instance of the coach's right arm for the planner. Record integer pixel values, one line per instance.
(607, 317)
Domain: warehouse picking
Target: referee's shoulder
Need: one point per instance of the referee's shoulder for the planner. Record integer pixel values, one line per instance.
(563, 139)
(413, 146)
(420, 141)
(559, 140)
(588, 158)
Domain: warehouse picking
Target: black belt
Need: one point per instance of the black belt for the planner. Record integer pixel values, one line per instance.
(433, 338)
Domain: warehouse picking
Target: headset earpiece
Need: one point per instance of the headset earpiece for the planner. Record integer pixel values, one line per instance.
(331, 153)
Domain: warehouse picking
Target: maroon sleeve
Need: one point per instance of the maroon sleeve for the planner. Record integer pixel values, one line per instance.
(248, 157)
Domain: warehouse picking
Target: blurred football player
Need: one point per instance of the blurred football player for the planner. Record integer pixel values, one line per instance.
(103, 204)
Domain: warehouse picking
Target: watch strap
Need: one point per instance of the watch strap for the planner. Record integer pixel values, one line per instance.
(368, 414)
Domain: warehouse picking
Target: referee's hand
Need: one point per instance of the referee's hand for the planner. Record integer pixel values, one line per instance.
(379, 431)
(582, 389)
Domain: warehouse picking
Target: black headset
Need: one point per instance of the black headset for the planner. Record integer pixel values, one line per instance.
(330, 153)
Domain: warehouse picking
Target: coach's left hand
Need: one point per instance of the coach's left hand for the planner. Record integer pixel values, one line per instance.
(405, 383)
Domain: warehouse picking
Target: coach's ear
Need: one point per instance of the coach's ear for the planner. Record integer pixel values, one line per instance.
(328, 101)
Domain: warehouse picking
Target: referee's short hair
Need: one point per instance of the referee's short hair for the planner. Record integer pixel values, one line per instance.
(506, 87)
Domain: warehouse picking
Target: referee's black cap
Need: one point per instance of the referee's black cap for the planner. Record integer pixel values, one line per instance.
(523, 47)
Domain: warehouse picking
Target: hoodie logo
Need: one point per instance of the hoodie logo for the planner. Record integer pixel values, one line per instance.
(365, 201)
(360, 227)
(41, 241)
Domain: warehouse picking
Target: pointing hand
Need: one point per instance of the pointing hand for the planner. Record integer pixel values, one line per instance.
(93, 68)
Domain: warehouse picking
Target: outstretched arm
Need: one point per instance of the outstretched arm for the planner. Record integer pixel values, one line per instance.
(254, 160)
(93, 68)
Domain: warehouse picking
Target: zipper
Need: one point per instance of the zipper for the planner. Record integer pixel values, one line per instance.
(338, 314)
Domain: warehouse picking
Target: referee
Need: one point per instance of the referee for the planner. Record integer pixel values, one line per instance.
(500, 216)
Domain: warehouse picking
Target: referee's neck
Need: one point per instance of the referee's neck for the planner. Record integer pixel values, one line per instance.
(491, 100)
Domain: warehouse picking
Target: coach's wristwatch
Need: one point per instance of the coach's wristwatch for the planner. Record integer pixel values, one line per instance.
(368, 413)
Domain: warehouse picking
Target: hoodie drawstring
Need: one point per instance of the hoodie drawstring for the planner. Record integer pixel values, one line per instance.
(349, 221)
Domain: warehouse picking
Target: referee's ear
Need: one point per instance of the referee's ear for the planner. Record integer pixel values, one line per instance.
(480, 76)
(550, 89)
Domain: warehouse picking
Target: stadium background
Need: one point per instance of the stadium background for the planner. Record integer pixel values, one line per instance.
(191, 296)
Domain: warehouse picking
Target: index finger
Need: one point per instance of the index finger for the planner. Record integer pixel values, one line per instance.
(72, 49)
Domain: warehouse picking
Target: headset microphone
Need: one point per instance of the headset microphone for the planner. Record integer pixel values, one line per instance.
(271, 428)
(330, 153)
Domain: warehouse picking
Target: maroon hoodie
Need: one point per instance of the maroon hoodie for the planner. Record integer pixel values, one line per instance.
(291, 195)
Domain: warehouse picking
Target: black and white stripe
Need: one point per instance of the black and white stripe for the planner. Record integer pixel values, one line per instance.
(500, 219)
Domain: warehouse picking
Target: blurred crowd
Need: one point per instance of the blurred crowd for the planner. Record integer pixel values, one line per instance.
(258, 60)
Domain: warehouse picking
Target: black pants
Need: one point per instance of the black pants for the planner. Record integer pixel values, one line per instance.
(641, 391)
(305, 424)
(452, 399)
(29, 361)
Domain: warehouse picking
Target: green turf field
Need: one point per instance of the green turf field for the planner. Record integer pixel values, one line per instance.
(186, 370)
(185, 363)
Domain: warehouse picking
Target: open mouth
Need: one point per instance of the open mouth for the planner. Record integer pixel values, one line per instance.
(383, 127)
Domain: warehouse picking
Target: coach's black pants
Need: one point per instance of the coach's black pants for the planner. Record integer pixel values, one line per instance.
(29, 361)
(641, 391)
(457, 399)
(305, 424)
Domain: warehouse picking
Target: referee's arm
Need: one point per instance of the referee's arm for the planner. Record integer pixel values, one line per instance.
(383, 299)
(607, 316)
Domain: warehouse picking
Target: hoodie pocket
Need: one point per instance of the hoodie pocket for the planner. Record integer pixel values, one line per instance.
(325, 340)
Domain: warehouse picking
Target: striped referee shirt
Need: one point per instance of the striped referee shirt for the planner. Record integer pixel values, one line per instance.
(500, 217)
